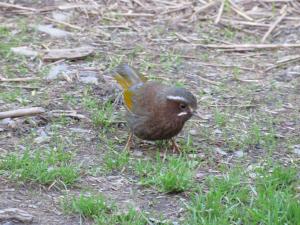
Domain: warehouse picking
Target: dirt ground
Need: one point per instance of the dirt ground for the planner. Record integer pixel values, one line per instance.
(244, 92)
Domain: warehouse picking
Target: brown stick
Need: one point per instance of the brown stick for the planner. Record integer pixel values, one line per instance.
(22, 112)
(279, 19)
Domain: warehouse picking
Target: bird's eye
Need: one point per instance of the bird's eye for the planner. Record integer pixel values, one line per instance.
(182, 106)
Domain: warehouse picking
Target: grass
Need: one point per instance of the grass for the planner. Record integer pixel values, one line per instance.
(170, 60)
(235, 199)
(41, 166)
(174, 174)
(114, 160)
(86, 206)
(101, 114)
(97, 208)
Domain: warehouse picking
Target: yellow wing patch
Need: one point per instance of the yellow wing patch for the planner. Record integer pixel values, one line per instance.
(128, 99)
(125, 83)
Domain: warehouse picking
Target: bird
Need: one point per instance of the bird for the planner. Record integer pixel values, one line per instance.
(154, 110)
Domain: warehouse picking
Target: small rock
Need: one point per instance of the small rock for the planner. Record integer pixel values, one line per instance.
(192, 156)
(55, 71)
(26, 51)
(41, 139)
(9, 123)
(88, 80)
(138, 153)
(296, 149)
(61, 17)
(79, 130)
(239, 154)
(53, 32)
(6, 121)
(201, 175)
(194, 132)
(220, 151)
(217, 131)
(15, 214)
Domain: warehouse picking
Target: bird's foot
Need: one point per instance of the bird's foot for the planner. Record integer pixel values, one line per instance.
(129, 142)
(175, 147)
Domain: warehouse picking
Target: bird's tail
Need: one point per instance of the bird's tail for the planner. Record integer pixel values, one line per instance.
(127, 76)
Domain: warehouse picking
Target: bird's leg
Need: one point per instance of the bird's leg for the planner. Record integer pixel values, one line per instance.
(175, 147)
(129, 140)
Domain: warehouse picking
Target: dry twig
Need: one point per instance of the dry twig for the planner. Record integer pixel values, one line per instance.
(244, 47)
(19, 79)
(220, 12)
(22, 112)
(8, 5)
(284, 61)
(279, 19)
(64, 23)
(239, 11)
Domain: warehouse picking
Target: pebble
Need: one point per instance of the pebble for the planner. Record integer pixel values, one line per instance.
(296, 149)
(220, 151)
(56, 70)
(53, 32)
(239, 154)
(89, 80)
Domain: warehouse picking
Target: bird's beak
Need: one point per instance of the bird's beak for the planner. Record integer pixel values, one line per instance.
(191, 110)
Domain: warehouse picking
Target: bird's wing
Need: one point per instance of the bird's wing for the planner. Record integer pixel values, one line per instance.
(128, 99)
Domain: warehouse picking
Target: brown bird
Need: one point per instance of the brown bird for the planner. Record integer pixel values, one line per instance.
(155, 111)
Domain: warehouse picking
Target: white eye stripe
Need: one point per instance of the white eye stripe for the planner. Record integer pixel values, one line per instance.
(182, 114)
(176, 98)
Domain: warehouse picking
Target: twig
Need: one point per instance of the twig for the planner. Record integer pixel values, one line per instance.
(64, 23)
(134, 14)
(226, 66)
(176, 9)
(7, 5)
(284, 61)
(274, 1)
(245, 23)
(279, 19)
(204, 8)
(140, 4)
(220, 12)
(68, 113)
(248, 81)
(181, 37)
(19, 79)
(209, 81)
(18, 86)
(240, 11)
(235, 105)
(239, 47)
(22, 112)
